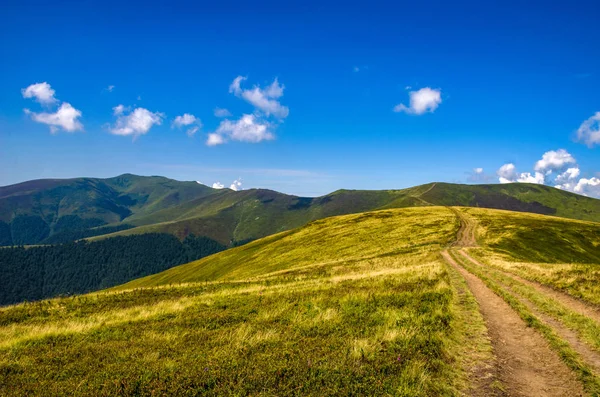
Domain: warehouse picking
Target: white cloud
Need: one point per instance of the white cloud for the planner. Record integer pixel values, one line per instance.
(478, 170)
(192, 131)
(566, 177)
(588, 187)
(527, 177)
(507, 173)
(421, 101)
(247, 129)
(221, 112)
(64, 118)
(589, 131)
(119, 109)
(218, 185)
(554, 161)
(236, 185)
(136, 123)
(263, 100)
(110, 88)
(186, 119)
(41, 92)
(215, 139)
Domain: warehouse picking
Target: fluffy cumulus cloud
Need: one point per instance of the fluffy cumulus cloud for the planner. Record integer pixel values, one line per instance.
(221, 112)
(264, 100)
(187, 120)
(421, 101)
(236, 185)
(589, 131)
(588, 187)
(554, 160)
(247, 129)
(556, 168)
(65, 118)
(508, 174)
(41, 92)
(135, 123)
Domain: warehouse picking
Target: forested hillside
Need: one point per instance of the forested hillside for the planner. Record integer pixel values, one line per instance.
(74, 268)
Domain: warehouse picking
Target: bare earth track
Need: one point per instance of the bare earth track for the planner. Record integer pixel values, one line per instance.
(525, 363)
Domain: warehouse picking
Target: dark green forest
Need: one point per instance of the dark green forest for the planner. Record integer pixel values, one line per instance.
(28, 274)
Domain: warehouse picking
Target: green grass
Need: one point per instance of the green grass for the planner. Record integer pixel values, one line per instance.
(369, 310)
(570, 357)
(358, 304)
(560, 253)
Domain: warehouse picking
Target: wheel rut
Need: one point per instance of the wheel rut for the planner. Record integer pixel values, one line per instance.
(525, 365)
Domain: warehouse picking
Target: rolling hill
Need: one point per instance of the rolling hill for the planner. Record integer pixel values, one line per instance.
(387, 302)
(53, 211)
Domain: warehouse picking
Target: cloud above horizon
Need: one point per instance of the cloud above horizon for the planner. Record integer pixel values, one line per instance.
(187, 120)
(247, 129)
(41, 92)
(254, 127)
(221, 112)
(425, 100)
(265, 100)
(556, 168)
(134, 123)
(65, 117)
(589, 131)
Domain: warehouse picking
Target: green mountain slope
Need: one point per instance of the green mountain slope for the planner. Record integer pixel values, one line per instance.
(32, 212)
(360, 304)
(520, 236)
(255, 213)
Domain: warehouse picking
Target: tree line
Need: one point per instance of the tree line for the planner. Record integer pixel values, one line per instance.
(34, 273)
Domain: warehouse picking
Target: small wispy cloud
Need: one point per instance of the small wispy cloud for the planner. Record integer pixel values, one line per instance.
(221, 112)
(187, 120)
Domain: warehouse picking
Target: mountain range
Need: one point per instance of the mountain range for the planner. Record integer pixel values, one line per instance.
(49, 211)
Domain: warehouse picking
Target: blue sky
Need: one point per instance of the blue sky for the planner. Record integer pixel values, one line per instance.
(492, 84)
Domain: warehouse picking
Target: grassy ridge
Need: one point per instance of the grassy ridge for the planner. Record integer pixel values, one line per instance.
(35, 210)
(353, 305)
(370, 311)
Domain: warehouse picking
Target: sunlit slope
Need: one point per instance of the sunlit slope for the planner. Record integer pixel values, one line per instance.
(354, 305)
(337, 240)
(251, 214)
(537, 238)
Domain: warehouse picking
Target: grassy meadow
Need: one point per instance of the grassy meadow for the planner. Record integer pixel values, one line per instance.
(560, 253)
(368, 308)
(351, 305)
